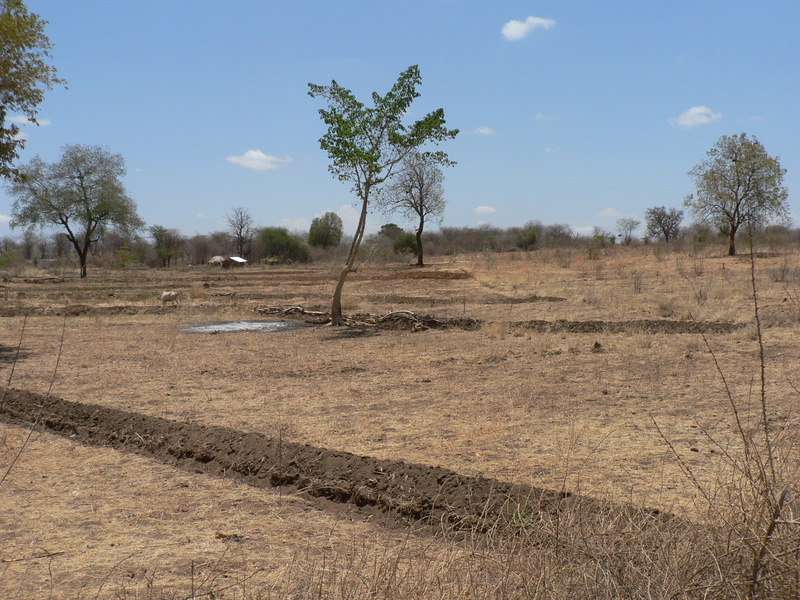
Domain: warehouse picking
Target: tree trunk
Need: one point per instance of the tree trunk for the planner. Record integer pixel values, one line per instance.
(82, 257)
(732, 242)
(336, 304)
(420, 262)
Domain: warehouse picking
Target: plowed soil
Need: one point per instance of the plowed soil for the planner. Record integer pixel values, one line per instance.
(388, 492)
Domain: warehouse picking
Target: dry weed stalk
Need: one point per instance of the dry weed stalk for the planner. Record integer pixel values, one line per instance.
(753, 550)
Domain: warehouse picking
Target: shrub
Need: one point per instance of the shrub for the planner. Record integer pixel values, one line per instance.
(405, 243)
(277, 242)
(9, 258)
(528, 236)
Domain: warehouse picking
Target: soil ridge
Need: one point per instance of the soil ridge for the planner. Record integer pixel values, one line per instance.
(390, 492)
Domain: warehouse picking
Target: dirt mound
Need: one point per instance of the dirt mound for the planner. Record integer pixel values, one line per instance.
(523, 299)
(390, 492)
(418, 273)
(637, 326)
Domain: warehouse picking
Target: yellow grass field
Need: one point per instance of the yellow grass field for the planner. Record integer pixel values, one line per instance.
(586, 376)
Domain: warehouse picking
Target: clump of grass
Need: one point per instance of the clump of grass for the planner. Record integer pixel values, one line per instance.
(636, 279)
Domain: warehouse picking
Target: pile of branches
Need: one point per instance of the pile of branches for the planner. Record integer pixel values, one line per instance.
(406, 319)
(399, 319)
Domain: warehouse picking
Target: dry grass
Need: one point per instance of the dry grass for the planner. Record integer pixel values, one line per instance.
(571, 411)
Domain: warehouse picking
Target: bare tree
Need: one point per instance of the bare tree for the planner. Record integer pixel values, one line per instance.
(626, 226)
(199, 249)
(240, 224)
(416, 193)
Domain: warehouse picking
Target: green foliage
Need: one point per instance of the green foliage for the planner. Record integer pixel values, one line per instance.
(9, 257)
(528, 236)
(24, 75)
(124, 258)
(167, 243)
(277, 242)
(405, 243)
(390, 230)
(83, 193)
(326, 231)
(738, 184)
(662, 222)
(365, 145)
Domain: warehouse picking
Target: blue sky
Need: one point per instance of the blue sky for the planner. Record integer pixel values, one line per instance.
(576, 112)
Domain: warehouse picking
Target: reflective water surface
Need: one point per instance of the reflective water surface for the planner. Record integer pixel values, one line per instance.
(233, 326)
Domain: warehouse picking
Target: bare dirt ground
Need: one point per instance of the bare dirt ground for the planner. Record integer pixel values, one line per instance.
(544, 370)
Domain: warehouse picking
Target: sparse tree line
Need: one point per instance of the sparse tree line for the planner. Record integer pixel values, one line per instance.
(159, 247)
(739, 186)
(739, 193)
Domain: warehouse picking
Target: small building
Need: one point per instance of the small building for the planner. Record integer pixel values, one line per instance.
(227, 262)
(237, 261)
(220, 261)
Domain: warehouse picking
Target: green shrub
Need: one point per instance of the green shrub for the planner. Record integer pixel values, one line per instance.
(9, 258)
(527, 238)
(405, 243)
(277, 242)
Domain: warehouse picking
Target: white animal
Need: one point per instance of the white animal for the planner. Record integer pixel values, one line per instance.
(169, 297)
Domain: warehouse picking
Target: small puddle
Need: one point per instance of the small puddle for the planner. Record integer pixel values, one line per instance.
(233, 326)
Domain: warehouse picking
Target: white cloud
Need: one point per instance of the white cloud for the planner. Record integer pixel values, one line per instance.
(552, 150)
(609, 212)
(5, 219)
(485, 210)
(516, 30)
(585, 230)
(485, 131)
(350, 216)
(256, 159)
(696, 115)
(542, 117)
(295, 224)
(23, 120)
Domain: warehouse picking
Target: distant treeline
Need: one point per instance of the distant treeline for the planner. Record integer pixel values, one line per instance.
(170, 248)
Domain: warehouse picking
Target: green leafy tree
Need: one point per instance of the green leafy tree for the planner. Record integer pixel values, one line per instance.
(167, 243)
(326, 231)
(277, 242)
(417, 193)
(390, 230)
(738, 184)
(664, 223)
(24, 76)
(83, 193)
(365, 145)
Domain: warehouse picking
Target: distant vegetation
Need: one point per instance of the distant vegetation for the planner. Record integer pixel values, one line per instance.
(159, 247)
